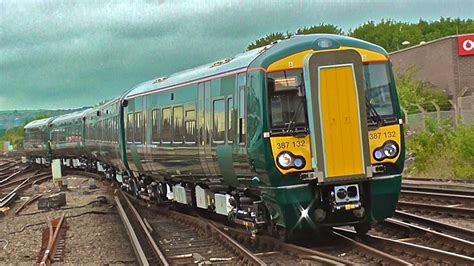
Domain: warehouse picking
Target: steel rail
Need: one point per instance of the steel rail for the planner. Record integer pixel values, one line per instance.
(387, 258)
(48, 258)
(431, 189)
(291, 249)
(140, 254)
(412, 249)
(446, 239)
(468, 212)
(157, 251)
(246, 255)
(13, 182)
(461, 232)
(26, 203)
(447, 195)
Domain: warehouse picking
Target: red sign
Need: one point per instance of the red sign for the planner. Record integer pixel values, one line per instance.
(466, 45)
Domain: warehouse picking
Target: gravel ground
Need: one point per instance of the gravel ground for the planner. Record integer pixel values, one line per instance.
(95, 233)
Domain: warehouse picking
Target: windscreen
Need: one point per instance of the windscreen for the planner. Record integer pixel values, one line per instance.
(287, 102)
(377, 89)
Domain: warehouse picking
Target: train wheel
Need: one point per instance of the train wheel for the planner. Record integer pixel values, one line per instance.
(362, 228)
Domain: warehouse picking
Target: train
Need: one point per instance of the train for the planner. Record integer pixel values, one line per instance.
(301, 135)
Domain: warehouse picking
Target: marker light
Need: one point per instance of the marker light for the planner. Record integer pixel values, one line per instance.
(379, 155)
(299, 163)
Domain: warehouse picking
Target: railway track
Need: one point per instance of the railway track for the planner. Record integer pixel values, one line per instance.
(410, 252)
(458, 231)
(170, 240)
(52, 248)
(412, 233)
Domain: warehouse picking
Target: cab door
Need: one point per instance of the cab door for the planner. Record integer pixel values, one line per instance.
(337, 115)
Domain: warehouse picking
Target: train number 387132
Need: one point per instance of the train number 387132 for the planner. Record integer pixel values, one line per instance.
(290, 144)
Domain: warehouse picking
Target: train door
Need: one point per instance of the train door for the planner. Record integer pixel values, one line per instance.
(337, 116)
(203, 125)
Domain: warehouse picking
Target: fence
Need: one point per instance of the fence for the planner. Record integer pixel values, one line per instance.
(459, 111)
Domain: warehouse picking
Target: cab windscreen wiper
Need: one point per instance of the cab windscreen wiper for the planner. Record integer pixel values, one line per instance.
(372, 112)
(292, 122)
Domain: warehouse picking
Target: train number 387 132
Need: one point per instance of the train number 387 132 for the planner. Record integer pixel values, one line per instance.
(290, 144)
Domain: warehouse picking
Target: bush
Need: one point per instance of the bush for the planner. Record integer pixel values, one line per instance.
(412, 91)
(443, 151)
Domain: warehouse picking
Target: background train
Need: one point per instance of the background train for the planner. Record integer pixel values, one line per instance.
(303, 134)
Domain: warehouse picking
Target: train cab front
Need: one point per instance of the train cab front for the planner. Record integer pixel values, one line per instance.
(336, 138)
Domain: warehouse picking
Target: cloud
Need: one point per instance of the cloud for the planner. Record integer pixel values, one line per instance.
(62, 54)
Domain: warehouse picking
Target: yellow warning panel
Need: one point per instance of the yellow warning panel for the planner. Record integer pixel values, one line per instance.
(340, 123)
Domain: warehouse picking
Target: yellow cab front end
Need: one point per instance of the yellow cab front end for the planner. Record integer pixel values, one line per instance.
(335, 126)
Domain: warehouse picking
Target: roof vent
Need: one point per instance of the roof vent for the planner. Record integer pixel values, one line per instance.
(222, 62)
(158, 80)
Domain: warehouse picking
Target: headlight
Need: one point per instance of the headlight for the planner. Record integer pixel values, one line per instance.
(285, 160)
(390, 149)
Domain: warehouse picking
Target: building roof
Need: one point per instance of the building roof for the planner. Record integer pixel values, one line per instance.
(430, 42)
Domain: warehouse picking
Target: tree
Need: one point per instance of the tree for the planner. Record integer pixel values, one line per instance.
(269, 39)
(16, 135)
(412, 92)
(321, 28)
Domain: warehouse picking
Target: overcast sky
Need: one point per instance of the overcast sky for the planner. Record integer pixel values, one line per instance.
(64, 54)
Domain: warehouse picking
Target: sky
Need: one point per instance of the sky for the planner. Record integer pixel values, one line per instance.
(74, 53)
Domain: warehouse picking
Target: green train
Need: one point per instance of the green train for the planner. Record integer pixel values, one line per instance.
(300, 135)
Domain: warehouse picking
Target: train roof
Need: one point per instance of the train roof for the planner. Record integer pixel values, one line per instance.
(69, 117)
(224, 66)
(300, 43)
(260, 57)
(38, 123)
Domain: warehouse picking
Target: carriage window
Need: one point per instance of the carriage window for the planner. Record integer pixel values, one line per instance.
(218, 126)
(166, 129)
(155, 131)
(130, 127)
(377, 89)
(190, 126)
(230, 130)
(178, 124)
(138, 128)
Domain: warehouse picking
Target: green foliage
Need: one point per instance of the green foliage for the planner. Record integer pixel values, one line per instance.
(412, 91)
(443, 151)
(16, 135)
(388, 33)
(270, 38)
(321, 28)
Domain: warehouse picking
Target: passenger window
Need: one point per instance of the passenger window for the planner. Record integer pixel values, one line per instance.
(130, 127)
(218, 126)
(190, 126)
(178, 133)
(155, 130)
(230, 130)
(138, 128)
(166, 120)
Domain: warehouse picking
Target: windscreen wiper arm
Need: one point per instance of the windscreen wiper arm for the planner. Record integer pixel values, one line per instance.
(373, 113)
